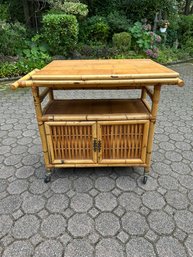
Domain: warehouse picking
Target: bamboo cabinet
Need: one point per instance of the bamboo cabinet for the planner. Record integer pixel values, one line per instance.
(96, 133)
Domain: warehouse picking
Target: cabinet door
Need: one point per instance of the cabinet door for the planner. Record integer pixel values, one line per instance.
(71, 142)
(122, 141)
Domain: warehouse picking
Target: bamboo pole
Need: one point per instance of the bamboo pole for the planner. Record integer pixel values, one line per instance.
(38, 110)
(44, 94)
(51, 94)
(156, 97)
(53, 83)
(16, 84)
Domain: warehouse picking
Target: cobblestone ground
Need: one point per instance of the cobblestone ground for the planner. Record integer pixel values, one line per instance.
(104, 212)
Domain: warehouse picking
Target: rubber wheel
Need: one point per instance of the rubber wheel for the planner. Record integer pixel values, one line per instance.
(145, 180)
(47, 179)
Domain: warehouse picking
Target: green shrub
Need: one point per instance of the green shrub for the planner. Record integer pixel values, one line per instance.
(12, 37)
(122, 41)
(60, 32)
(118, 22)
(4, 12)
(185, 31)
(95, 29)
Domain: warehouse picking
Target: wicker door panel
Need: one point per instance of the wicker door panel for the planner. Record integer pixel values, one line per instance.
(71, 142)
(123, 142)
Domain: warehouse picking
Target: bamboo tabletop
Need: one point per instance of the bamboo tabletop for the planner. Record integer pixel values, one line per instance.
(102, 72)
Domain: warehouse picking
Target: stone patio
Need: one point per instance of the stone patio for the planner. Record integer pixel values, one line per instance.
(103, 212)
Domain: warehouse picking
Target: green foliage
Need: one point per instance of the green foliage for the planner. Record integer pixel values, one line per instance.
(145, 41)
(4, 12)
(60, 32)
(118, 22)
(122, 41)
(96, 51)
(185, 31)
(69, 7)
(94, 29)
(12, 37)
(168, 55)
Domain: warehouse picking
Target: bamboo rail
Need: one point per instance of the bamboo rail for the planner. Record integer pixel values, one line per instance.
(17, 84)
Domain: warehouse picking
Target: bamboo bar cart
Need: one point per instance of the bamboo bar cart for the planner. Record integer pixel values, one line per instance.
(95, 133)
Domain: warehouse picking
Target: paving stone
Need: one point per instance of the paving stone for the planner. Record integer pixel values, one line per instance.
(126, 183)
(167, 146)
(186, 181)
(49, 248)
(130, 201)
(153, 200)
(17, 186)
(116, 191)
(104, 184)
(139, 247)
(79, 248)
(25, 227)
(119, 211)
(16, 215)
(24, 141)
(5, 225)
(53, 226)
(150, 185)
(68, 213)
(168, 246)
(65, 239)
(10, 204)
(105, 201)
(6, 172)
(93, 192)
(173, 156)
(3, 185)
(83, 184)
(181, 168)
(94, 238)
(109, 247)
(19, 149)
(144, 210)
(123, 237)
(24, 172)
(190, 196)
(176, 199)
(43, 214)
(33, 204)
(168, 182)
(81, 202)
(38, 187)
(161, 168)
(31, 159)
(184, 220)
(161, 222)
(180, 235)
(93, 212)
(4, 149)
(189, 245)
(80, 225)
(134, 223)
(36, 239)
(61, 185)
(188, 155)
(151, 236)
(57, 203)
(107, 224)
(19, 249)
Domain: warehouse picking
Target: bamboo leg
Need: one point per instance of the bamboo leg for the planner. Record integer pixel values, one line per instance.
(154, 109)
(51, 94)
(38, 110)
(143, 94)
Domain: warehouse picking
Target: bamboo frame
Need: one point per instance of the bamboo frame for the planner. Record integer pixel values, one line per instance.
(106, 81)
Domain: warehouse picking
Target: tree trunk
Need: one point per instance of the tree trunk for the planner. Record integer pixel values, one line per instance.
(26, 13)
(187, 7)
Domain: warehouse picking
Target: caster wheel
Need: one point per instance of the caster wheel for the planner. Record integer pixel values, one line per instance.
(145, 180)
(47, 179)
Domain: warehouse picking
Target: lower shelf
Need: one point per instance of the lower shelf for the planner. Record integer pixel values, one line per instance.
(97, 109)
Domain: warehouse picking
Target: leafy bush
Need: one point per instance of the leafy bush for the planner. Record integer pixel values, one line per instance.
(95, 29)
(145, 40)
(185, 31)
(4, 12)
(96, 51)
(69, 7)
(118, 22)
(12, 37)
(60, 32)
(122, 41)
(168, 54)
